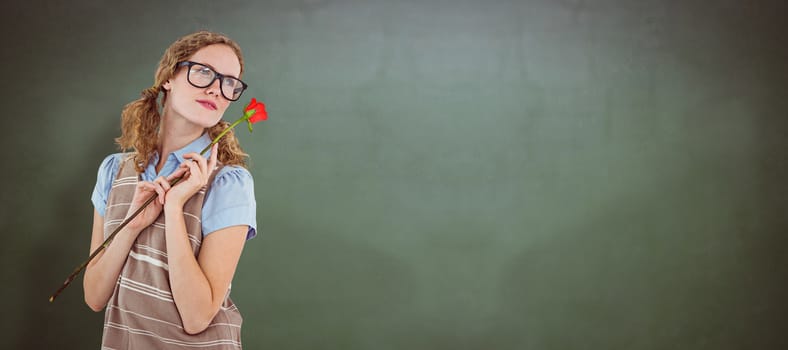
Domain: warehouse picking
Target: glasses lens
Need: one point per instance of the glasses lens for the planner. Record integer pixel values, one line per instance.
(232, 88)
(201, 76)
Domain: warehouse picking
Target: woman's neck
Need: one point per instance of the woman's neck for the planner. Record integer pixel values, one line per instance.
(174, 134)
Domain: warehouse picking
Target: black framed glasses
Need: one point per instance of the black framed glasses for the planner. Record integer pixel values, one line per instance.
(201, 76)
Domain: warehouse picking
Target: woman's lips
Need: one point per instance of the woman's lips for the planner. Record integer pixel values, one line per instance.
(207, 104)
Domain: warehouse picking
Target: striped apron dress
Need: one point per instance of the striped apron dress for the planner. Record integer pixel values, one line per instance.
(141, 313)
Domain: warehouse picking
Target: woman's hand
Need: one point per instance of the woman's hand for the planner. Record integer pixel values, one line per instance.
(143, 191)
(195, 176)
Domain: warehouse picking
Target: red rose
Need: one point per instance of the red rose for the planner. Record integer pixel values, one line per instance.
(259, 111)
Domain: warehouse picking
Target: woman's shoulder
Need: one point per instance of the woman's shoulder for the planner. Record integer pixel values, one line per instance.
(110, 164)
(233, 175)
(106, 175)
(114, 158)
(233, 185)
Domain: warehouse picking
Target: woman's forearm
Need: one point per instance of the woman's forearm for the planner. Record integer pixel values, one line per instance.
(191, 290)
(102, 273)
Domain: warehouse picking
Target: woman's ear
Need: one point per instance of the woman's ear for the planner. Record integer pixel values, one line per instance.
(166, 85)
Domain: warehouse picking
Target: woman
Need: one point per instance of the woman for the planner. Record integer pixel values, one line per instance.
(165, 279)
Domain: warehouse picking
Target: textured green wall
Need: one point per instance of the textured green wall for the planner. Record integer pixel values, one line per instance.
(437, 174)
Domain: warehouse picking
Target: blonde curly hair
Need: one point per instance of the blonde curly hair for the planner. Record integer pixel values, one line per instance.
(140, 119)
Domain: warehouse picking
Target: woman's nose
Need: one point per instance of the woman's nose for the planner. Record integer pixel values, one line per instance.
(214, 88)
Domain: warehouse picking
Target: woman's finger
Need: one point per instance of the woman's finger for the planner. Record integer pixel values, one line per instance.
(177, 173)
(159, 192)
(162, 186)
(143, 191)
(163, 183)
(194, 171)
(201, 161)
(214, 158)
(144, 186)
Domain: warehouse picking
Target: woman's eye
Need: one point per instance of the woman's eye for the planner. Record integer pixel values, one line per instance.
(204, 72)
(230, 83)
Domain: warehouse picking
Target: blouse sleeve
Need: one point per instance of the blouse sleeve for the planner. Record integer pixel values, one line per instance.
(106, 173)
(230, 201)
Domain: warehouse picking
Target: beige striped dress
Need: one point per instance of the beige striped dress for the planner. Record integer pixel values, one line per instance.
(141, 313)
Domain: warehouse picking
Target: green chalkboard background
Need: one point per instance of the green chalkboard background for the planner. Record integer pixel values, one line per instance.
(546, 174)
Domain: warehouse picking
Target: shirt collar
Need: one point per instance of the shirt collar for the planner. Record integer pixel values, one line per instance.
(195, 146)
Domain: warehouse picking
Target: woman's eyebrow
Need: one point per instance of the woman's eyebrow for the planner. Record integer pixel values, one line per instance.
(217, 71)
